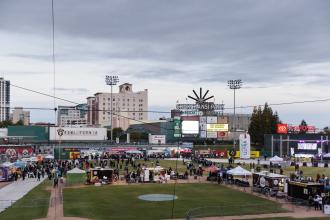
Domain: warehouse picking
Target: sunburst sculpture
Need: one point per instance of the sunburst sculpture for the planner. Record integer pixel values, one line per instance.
(200, 98)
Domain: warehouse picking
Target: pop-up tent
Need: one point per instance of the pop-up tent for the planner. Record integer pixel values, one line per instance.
(76, 170)
(276, 159)
(239, 171)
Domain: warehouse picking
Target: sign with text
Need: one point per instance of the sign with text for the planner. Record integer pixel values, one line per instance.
(79, 134)
(217, 127)
(244, 146)
(307, 146)
(177, 127)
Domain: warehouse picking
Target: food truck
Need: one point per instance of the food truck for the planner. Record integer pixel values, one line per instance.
(101, 175)
(271, 182)
(302, 190)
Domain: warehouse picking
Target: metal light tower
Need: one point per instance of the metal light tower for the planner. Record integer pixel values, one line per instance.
(111, 81)
(234, 84)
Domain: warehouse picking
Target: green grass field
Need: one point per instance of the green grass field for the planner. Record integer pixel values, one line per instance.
(33, 205)
(121, 202)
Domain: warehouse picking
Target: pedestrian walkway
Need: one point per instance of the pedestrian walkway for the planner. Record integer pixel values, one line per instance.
(15, 191)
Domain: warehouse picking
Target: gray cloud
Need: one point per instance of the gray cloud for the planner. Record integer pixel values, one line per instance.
(209, 41)
(74, 90)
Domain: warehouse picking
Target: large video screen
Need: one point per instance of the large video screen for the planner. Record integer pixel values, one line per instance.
(190, 127)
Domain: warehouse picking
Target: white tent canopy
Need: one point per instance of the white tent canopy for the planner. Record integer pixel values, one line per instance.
(76, 170)
(271, 175)
(7, 164)
(239, 171)
(49, 157)
(276, 159)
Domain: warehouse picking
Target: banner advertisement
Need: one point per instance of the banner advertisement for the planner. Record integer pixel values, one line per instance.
(177, 127)
(212, 134)
(13, 152)
(244, 146)
(212, 120)
(217, 127)
(83, 134)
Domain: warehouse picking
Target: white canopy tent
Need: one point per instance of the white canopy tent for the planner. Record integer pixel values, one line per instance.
(76, 170)
(51, 157)
(271, 175)
(7, 164)
(276, 159)
(239, 171)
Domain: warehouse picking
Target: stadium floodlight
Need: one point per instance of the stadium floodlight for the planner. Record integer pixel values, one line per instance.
(111, 81)
(234, 84)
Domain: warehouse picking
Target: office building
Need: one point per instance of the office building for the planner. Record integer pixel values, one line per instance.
(126, 105)
(72, 116)
(20, 115)
(4, 99)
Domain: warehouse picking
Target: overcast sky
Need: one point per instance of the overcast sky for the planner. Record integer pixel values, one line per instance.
(280, 50)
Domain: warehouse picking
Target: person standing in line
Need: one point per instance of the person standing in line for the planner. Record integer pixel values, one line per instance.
(316, 203)
(38, 175)
(320, 202)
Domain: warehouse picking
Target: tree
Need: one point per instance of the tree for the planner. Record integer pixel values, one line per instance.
(20, 122)
(5, 124)
(263, 121)
(303, 127)
(116, 132)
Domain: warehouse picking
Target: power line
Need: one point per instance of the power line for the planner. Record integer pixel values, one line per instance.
(161, 112)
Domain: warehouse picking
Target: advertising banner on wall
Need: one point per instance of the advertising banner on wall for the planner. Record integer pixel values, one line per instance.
(177, 127)
(244, 146)
(202, 134)
(202, 123)
(217, 127)
(16, 151)
(212, 120)
(77, 134)
(212, 134)
(157, 139)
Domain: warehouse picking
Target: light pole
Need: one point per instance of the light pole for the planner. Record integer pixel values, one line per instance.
(111, 81)
(234, 84)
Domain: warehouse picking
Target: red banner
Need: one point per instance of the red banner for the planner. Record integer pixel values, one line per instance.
(16, 151)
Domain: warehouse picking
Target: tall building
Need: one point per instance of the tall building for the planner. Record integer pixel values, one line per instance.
(4, 99)
(126, 105)
(20, 115)
(72, 116)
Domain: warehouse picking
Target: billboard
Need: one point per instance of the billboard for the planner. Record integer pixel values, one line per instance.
(244, 146)
(190, 127)
(217, 127)
(77, 134)
(157, 139)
